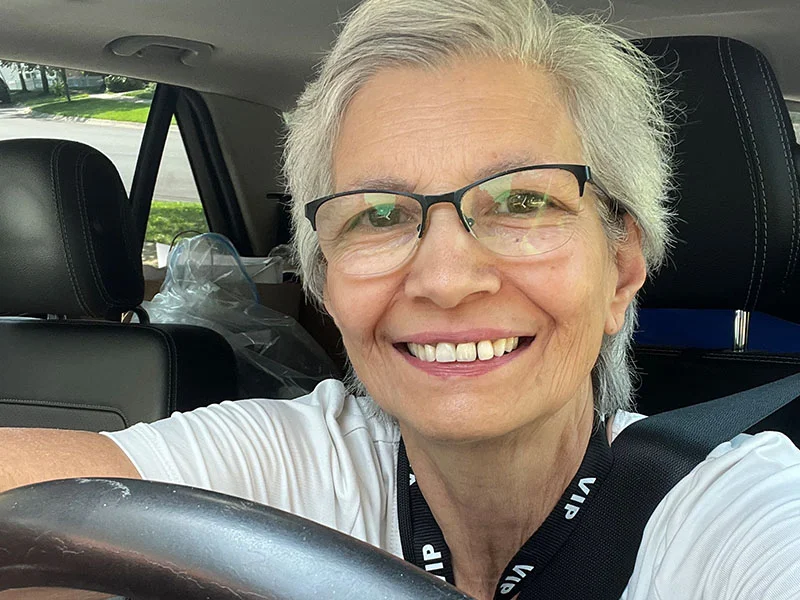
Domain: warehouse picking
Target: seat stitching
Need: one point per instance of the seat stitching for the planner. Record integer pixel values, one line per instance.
(168, 342)
(749, 169)
(173, 388)
(79, 189)
(75, 405)
(56, 191)
(129, 256)
(173, 351)
(768, 361)
(759, 171)
(727, 357)
(790, 265)
(84, 217)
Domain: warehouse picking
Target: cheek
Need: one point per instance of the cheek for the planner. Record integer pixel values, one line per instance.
(574, 288)
(357, 307)
(571, 293)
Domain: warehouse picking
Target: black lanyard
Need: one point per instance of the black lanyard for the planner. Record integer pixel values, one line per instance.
(424, 544)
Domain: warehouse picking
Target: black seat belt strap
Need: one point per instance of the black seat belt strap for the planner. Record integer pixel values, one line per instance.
(650, 457)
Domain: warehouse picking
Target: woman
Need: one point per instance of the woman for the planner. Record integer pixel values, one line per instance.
(487, 327)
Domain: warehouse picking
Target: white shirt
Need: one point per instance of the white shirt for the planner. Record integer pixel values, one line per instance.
(730, 530)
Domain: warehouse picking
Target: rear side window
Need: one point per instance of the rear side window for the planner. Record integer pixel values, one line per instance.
(109, 113)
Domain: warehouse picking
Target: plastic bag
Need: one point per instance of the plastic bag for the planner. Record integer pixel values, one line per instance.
(207, 285)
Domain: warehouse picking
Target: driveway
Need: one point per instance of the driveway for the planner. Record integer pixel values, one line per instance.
(119, 141)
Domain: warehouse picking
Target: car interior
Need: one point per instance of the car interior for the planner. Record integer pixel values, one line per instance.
(721, 317)
(229, 76)
(85, 262)
(737, 195)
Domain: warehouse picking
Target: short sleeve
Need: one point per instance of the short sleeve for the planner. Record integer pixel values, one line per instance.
(730, 530)
(317, 456)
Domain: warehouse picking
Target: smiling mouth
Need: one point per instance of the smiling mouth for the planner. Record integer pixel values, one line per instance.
(465, 352)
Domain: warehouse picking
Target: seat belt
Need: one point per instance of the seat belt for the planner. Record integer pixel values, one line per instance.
(649, 458)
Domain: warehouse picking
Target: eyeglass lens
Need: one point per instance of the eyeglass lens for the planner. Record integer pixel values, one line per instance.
(518, 214)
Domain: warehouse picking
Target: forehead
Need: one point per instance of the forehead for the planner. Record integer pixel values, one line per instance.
(445, 127)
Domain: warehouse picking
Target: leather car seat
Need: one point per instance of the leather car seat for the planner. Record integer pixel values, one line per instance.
(69, 269)
(737, 201)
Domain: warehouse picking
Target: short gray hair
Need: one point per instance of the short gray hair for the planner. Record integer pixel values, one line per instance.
(613, 92)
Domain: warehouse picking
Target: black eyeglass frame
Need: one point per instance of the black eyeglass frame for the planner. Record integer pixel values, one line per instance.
(582, 173)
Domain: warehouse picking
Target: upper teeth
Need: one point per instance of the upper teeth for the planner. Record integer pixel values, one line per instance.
(463, 352)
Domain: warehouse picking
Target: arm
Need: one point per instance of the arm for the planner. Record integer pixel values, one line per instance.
(33, 455)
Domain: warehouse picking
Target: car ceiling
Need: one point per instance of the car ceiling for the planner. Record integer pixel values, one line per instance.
(263, 50)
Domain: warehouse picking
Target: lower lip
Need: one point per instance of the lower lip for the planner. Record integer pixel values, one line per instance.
(475, 368)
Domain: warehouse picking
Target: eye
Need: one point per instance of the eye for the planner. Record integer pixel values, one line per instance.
(381, 217)
(522, 202)
(386, 215)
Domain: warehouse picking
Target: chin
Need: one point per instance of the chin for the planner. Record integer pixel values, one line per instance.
(456, 420)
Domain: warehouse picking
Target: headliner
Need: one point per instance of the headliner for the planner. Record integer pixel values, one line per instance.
(265, 49)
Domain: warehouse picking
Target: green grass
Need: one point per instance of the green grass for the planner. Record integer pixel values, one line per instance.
(170, 218)
(98, 108)
(145, 94)
(37, 98)
(132, 107)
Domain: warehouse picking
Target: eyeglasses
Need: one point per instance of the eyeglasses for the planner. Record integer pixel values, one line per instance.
(521, 212)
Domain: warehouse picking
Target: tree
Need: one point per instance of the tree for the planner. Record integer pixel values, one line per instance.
(45, 73)
(45, 83)
(63, 73)
(25, 68)
(20, 71)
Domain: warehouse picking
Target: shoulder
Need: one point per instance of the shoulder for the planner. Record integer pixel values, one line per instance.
(747, 476)
(731, 526)
(254, 447)
(328, 407)
(327, 456)
(620, 420)
(325, 413)
(745, 458)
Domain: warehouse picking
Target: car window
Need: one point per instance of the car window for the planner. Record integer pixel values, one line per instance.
(109, 113)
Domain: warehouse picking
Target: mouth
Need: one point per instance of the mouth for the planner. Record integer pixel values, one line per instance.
(482, 351)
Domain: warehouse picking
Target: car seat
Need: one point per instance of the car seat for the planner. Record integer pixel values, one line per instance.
(737, 201)
(70, 268)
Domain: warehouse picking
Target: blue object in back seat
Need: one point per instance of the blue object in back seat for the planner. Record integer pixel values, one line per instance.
(713, 329)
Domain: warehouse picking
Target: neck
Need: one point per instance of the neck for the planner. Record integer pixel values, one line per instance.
(489, 497)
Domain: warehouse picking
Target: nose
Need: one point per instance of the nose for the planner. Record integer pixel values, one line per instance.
(450, 266)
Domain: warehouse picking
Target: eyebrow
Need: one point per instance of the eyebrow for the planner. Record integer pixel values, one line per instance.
(394, 184)
(508, 164)
(397, 184)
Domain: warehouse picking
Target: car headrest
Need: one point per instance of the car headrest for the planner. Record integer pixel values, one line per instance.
(737, 196)
(67, 237)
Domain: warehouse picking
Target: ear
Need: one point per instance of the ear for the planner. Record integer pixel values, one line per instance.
(631, 275)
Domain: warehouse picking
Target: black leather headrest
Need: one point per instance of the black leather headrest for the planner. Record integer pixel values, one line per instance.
(67, 238)
(737, 199)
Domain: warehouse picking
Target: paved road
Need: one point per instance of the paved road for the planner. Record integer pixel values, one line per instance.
(119, 141)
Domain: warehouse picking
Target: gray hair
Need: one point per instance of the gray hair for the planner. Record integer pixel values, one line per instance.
(612, 90)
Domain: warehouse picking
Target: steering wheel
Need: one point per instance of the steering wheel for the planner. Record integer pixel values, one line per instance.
(155, 540)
